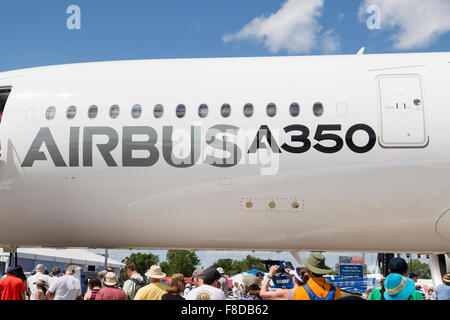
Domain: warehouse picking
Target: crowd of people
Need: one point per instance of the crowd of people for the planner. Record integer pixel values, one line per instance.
(210, 284)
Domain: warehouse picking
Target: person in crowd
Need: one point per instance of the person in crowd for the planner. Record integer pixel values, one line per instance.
(101, 276)
(317, 287)
(66, 287)
(443, 290)
(82, 277)
(398, 287)
(281, 294)
(155, 290)
(56, 271)
(260, 276)
(175, 288)
(41, 290)
(237, 290)
(18, 272)
(187, 289)
(196, 279)
(111, 291)
(398, 266)
(223, 282)
(94, 286)
(134, 282)
(12, 288)
(251, 288)
(413, 276)
(40, 269)
(210, 289)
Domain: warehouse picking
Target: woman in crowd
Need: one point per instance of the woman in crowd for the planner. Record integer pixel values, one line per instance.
(175, 288)
(42, 287)
(94, 285)
(251, 288)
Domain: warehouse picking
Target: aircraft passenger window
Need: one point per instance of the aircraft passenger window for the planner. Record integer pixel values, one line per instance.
(181, 111)
(248, 110)
(114, 111)
(92, 112)
(226, 110)
(295, 109)
(71, 112)
(136, 111)
(318, 109)
(271, 110)
(158, 111)
(51, 113)
(203, 111)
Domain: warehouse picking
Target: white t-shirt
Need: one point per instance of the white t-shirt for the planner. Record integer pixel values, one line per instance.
(33, 288)
(206, 292)
(65, 288)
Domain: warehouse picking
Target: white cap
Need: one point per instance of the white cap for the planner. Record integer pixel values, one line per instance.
(220, 270)
(40, 267)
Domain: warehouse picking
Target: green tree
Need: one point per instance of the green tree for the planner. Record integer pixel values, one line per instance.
(232, 267)
(225, 264)
(142, 261)
(180, 261)
(422, 269)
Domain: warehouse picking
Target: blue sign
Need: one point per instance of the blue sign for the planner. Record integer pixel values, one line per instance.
(351, 270)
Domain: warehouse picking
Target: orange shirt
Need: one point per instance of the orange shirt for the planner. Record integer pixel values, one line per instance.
(11, 288)
(320, 286)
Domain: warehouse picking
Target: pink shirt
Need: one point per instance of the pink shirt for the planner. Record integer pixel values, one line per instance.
(111, 294)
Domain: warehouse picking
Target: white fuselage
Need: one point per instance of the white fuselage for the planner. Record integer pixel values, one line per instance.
(113, 183)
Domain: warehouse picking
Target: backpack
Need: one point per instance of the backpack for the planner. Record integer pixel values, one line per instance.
(137, 285)
(312, 295)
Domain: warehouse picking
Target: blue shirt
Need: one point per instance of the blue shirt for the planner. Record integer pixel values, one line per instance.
(443, 292)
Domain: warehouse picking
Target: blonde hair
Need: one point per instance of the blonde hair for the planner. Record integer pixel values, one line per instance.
(176, 284)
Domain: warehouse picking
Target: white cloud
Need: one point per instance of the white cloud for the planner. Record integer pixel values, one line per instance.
(294, 28)
(416, 23)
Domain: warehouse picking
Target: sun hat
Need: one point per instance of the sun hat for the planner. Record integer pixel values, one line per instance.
(42, 283)
(220, 270)
(155, 272)
(110, 279)
(250, 280)
(398, 287)
(446, 279)
(316, 264)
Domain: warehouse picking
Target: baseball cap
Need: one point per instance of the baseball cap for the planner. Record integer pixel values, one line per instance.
(198, 272)
(10, 270)
(413, 275)
(40, 267)
(220, 270)
(210, 275)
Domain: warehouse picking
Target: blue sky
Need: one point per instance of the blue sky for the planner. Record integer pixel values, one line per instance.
(34, 33)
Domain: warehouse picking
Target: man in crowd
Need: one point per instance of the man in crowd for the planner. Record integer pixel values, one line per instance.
(397, 266)
(223, 282)
(135, 280)
(66, 287)
(197, 280)
(210, 289)
(155, 290)
(11, 287)
(40, 269)
(317, 288)
(111, 290)
(443, 290)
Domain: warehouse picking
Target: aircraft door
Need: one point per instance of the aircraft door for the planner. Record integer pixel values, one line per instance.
(402, 112)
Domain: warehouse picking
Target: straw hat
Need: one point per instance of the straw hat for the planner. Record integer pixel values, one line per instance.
(447, 279)
(155, 273)
(41, 283)
(110, 279)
